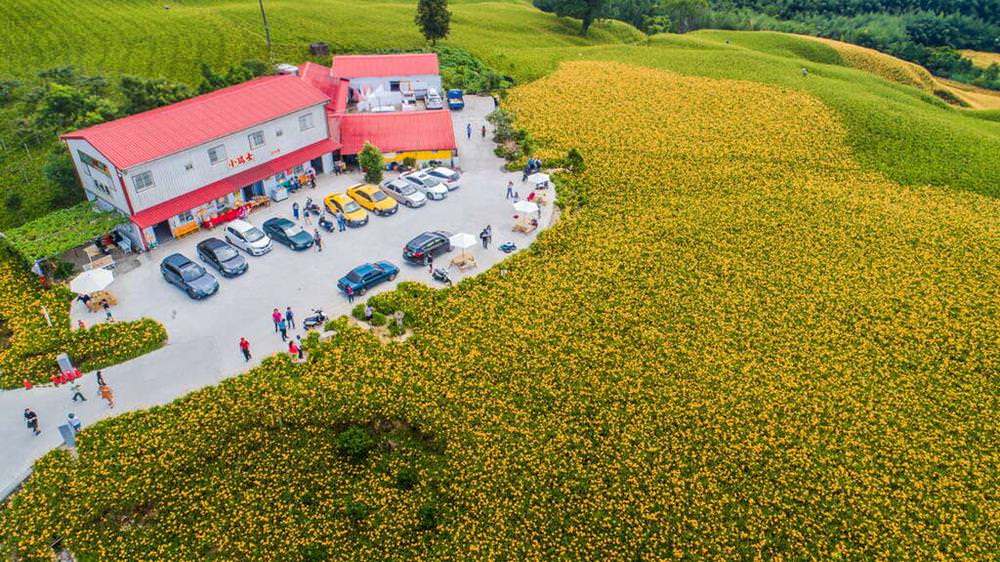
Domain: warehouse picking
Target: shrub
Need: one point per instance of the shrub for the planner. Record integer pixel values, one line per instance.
(356, 510)
(407, 479)
(429, 516)
(574, 160)
(378, 319)
(355, 443)
(358, 312)
(371, 161)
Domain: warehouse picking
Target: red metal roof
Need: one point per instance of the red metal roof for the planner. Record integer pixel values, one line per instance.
(188, 201)
(160, 132)
(397, 132)
(319, 77)
(411, 64)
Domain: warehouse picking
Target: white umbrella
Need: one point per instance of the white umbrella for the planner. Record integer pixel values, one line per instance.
(538, 178)
(462, 240)
(525, 207)
(91, 281)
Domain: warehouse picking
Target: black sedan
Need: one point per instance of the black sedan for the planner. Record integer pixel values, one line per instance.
(427, 244)
(222, 257)
(288, 233)
(188, 276)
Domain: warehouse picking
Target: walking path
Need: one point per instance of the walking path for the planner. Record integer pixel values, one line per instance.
(203, 336)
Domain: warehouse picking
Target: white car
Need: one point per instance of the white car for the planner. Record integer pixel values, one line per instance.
(403, 192)
(450, 178)
(248, 238)
(427, 184)
(433, 100)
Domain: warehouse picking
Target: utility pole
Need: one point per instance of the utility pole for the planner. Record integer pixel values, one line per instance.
(267, 31)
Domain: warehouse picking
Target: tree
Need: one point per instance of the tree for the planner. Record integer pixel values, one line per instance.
(433, 19)
(371, 161)
(585, 10)
(143, 94)
(686, 15)
(246, 70)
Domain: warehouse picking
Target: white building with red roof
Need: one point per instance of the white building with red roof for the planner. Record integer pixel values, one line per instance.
(176, 168)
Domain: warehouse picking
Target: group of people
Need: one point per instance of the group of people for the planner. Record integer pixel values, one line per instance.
(534, 165)
(468, 130)
(76, 395)
(283, 321)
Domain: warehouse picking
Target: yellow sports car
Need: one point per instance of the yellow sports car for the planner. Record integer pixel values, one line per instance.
(373, 199)
(353, 213)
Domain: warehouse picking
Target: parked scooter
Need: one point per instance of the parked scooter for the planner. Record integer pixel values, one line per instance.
(327, 223)
(312, 207)
(317, 319)
(441, 275)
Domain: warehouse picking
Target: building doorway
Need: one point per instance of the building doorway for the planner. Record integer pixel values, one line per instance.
(317, 165)
(162, 232)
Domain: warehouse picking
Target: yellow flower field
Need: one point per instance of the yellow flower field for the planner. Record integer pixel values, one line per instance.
(742, 347)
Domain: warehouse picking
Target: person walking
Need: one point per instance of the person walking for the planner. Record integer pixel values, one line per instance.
(305, 216)
(31, 418)
(283, 328)
(430, 263)
(468, 130)
(312, 178)
(318, 240)
(295, 210)
(77, 394)
(298, 344)
(341, 222)
(485, 239)
(245, 348)
(289, 317)
(74, 423)
(276, 316)
(517, 197)
(108, 395)
(369, 313)
(510, 190)
(488, 231)
(100, 379)
(293, 349)
(484, 131)
(107, 311)
(349, 291)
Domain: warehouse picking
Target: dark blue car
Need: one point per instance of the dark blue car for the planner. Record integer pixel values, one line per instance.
(188, 276)
(363, 277)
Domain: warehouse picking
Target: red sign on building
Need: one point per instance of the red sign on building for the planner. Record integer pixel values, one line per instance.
(241, 159)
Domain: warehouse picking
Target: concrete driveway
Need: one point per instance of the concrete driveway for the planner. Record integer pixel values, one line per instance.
(203, 335)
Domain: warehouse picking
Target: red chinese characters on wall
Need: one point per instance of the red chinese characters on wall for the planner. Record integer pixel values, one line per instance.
(241, 159)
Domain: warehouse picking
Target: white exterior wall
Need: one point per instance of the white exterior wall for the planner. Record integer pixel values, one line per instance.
(171, 179)
(394, 98)
(90, 176)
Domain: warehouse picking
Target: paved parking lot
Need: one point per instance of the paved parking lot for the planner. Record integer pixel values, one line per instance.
(203, 335)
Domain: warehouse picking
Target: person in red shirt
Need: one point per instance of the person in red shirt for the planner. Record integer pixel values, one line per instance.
(245, 348)
(293, 349)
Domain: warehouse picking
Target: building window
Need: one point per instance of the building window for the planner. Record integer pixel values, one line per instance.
(143, 181)
(221, 203)
(306, 122)
(189, 166)
(278, 132)
(186, 216)
(299, 169)
(256, 139)
(217, 154)
(394, 85)
(102, 187)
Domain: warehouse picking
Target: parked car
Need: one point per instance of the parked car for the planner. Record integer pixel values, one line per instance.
(288, 233)
(427, 184)
(450, 178)
(455, 99)
(355, 215)
(222, 257)
(433, 100)
(431, 244)
(366, 276)
(247, 237)
(373, 199)
(409, 102)
(188, 276)
(403, 192)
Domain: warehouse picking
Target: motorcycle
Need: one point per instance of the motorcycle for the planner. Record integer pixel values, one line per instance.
(326, 223)
(317, 319)
(312, 207)
(441, 275)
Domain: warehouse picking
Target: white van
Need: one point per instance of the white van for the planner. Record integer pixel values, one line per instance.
(433, 100)
(248, 238)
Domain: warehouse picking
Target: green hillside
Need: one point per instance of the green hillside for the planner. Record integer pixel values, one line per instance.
(769, 331)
